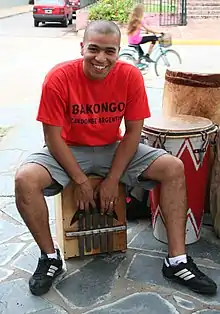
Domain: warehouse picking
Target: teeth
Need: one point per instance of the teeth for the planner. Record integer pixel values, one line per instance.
(99, 67)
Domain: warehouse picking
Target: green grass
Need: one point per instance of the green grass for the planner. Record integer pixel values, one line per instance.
(155, 8)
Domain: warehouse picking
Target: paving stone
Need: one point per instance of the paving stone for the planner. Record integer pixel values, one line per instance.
(5, 273)
(205, 248)
(51, 311)
(183, 303)
(141, 303)
(208, 311)
(11, 210)
(51, 209)
(9, 230)
(6, 185)
(89, 285)
(27, 237)
(147, 269)
(28, 258)
(7, 251)
(16, 298)
(9, 159)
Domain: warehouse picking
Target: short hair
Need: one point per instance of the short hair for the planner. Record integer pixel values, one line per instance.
(102, 27)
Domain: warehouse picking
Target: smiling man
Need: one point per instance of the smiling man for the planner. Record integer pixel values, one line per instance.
(82, 105)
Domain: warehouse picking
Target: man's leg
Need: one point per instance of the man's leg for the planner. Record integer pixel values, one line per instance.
(41, 174)
(169, 171)
(156, 166)
(30, 181)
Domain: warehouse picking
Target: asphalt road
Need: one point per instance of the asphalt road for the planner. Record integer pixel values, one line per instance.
(23, 26)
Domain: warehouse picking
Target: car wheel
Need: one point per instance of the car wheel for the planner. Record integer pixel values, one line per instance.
(36, 23)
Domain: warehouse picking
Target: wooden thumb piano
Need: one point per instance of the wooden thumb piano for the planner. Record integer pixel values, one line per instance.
(80, 233)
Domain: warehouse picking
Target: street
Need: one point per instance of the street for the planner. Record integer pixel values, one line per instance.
(128, 282)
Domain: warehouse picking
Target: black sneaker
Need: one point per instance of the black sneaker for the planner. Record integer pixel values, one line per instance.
(148, 59)
(47, 270)
(189, 275)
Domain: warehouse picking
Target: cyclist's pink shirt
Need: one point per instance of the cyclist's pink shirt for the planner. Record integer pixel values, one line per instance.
(136, 38)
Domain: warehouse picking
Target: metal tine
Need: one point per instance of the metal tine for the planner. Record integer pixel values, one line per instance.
(81, 237)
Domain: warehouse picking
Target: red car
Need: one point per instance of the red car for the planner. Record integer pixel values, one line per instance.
(53, 11)
(75, 6)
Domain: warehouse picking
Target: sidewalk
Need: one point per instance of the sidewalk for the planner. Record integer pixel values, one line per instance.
(4, 13)
(119, 283)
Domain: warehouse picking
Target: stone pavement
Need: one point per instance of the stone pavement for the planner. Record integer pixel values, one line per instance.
(128, 282)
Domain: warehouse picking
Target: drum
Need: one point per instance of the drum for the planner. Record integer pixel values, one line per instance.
(80, 233)
(193, 94)
(196, 94)
(188, 138)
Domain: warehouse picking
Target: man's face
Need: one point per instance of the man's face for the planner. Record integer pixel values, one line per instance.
(100, 54)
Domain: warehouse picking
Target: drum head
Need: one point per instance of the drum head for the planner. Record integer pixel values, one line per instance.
(177, 124)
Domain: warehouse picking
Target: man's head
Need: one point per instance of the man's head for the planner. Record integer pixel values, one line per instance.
(100, 48)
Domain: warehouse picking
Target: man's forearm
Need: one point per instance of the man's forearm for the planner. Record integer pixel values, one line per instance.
(124, 153)
(62, 153)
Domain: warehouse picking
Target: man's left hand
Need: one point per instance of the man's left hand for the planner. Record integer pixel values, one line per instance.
(108, 192)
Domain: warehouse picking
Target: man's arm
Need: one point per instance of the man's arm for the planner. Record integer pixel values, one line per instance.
(126, 149)
(61, 152)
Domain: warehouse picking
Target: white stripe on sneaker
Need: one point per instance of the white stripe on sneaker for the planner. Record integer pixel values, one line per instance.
(51, 271)
(189, 277)
(184, 274)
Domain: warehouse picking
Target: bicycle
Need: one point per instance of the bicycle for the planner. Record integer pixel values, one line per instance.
(160, 53)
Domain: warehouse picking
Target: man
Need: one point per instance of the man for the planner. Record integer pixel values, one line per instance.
(81, 108)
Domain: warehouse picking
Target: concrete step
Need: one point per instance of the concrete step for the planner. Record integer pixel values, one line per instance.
(203, 12)
(203, 7)
(205, 3)
(198, 16)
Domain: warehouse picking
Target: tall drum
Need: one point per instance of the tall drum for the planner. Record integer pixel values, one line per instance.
(188, 138)
(196, 94)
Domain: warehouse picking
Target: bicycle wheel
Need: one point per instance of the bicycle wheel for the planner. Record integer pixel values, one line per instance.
(166, 60)
(127, 58)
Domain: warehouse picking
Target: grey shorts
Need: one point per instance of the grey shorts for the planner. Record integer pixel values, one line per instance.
(97, 160)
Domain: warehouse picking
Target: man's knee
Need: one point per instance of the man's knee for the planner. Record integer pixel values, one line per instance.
(175, 169)
(31, 177)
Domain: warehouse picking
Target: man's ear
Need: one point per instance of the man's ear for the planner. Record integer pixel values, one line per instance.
(81, 46)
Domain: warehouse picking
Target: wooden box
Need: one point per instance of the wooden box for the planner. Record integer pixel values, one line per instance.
(99, 237)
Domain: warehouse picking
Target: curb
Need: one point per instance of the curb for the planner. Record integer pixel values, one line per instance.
(15, 14)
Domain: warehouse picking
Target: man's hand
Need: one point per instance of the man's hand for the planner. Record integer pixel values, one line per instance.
(84, 195)
(108, 192)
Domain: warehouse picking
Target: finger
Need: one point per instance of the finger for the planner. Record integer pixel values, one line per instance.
(111, 205)
(102, 203)
(107, 204)
(78, 204)
(86, 206)
(115, 201)
(81, 205)
(92, 202)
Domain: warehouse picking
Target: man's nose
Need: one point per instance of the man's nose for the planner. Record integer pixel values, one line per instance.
(101, 57)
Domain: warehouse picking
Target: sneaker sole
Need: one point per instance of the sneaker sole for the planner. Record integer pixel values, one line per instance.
(176, 280)
(44, 290)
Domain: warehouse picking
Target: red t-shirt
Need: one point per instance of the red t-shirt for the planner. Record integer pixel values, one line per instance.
(90, 111)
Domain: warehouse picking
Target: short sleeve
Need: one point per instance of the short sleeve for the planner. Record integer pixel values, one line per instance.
(137, 107)
(53, 102)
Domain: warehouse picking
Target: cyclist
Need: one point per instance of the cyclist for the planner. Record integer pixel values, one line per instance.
(135, 25)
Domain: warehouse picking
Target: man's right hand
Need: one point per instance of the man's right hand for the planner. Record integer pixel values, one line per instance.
(84, 195)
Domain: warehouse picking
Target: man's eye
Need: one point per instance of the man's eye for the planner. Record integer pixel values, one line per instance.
(110, 52)
(92, 49)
